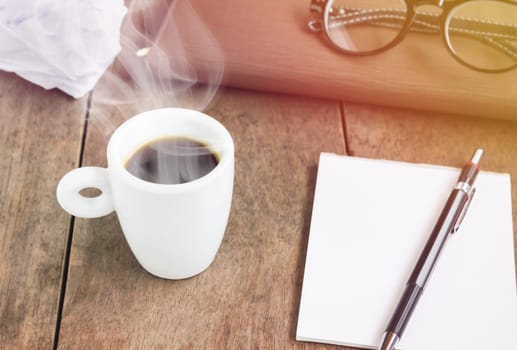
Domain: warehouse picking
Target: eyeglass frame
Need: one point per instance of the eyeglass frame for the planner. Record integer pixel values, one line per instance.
(321, 7)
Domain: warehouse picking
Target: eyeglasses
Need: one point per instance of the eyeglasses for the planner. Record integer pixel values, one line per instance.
(480, 34)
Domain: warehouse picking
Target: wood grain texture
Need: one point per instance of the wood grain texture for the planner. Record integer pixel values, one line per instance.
(40, 139)
(434, 139)
(266, 46)
(249, 296)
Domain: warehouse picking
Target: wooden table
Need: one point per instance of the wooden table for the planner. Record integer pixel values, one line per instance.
(74, 284)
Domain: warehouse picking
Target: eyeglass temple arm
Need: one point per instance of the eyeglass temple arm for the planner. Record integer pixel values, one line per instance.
(316, 7)
(497, 35)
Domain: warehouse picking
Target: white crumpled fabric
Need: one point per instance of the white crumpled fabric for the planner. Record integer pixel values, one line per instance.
(64, 44)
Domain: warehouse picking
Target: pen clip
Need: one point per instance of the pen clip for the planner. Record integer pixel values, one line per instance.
(470, 194)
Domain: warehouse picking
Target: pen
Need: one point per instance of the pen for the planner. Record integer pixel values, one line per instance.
(448, 223)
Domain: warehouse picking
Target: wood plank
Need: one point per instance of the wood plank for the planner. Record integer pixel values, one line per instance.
(40, 139)
(435, 139)
(266, 45)
(249, 297)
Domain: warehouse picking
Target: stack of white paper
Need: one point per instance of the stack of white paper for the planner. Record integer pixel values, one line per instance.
(370, 221)
(60, 44)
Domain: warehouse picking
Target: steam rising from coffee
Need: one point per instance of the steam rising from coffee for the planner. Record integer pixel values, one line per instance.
(146, 77)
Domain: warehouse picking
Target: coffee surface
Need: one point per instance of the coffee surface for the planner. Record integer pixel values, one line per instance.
(172, 160)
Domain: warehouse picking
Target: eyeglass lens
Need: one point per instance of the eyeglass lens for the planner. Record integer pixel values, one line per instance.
(481, 33)
(361, 26)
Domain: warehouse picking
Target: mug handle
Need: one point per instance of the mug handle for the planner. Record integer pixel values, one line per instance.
(69, 196)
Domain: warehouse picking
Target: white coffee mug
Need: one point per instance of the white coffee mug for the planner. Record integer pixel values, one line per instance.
(174, 230)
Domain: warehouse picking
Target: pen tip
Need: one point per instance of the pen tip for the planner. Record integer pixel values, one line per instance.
(477, 156)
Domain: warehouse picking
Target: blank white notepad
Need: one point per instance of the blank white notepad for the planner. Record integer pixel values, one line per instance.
(370, 221)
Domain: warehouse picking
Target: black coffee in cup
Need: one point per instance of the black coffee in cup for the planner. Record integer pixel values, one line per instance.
(172, 160)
